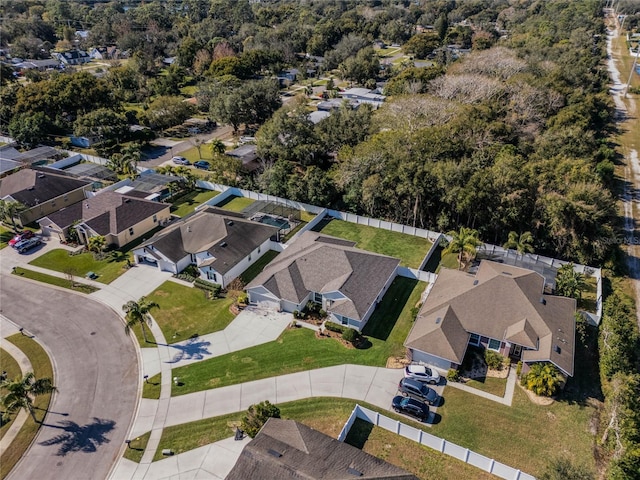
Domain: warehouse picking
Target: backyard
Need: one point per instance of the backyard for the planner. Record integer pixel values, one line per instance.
(185, 312)
(409, 249)
(253, 271)
(59, 260)
(188, 202)
(235, 204)
(299, 349)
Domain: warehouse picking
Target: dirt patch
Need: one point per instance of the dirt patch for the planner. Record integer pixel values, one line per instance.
(161, 293)
(397, 362)
(536, 399)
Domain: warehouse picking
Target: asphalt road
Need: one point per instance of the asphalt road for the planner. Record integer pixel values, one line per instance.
(97, 380)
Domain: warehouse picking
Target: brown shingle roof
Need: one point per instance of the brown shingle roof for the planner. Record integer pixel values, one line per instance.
(500, 302)
(316, 263)
(285, 449)
(31, 187)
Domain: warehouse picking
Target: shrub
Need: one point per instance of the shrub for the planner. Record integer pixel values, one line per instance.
(296, 314)
(543, 379)
(191, 270)
(214, 288)
(494, 360)
(256, 417)
(453, 375)
(414, 313)
(350, 335)
(243, 298)
(334, 327)
(519, 369)
(322, 313)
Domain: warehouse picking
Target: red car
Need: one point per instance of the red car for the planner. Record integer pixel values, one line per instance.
(26, 234)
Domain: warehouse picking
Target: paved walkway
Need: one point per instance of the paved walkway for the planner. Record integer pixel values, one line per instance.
(8, 328)
(507, 399)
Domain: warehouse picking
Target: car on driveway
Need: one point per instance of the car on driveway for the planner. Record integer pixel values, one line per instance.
(180, 161)
(409, 406)
(202, 165)
(413, 388)
(422, 373)
(26, 245)
(24, 235)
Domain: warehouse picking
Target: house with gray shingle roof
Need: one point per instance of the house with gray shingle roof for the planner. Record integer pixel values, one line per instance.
(502, 308)
(346, 281)
(119, 218)
(286, 449)
(221, 244)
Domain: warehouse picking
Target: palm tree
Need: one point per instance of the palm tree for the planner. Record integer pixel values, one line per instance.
(543, 379)
(9, 210)
(21, 392)
(570, 283)
(464, 243)
(138, 313)
(520, 243)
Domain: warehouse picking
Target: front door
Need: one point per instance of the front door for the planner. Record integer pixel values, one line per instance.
(515, 351)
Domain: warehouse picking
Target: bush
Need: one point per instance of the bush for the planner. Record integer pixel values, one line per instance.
(350, 335)
(214, 288)
(453, 375)
(243, 298)
(322, 313)
(494, 360)
(191, 270)
(519, 369)
(186, 277)
(334, 327)
(296, 314)
(543, 379)
(256, 417)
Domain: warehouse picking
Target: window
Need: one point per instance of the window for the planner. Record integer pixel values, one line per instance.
(155, 218)
(212, 276)
(474, 339)
(494, 344)
(317, 297)
(131, 231)
(249, 257)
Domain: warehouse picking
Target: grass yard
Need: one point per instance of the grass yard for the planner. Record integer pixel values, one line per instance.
(187, 203)
(6, 234)
(185, 312)
(409, 249)
(588, 301)
(151, 388)
(9, 365)
(42, 369)
(298, 349)
(495, 386)
(235, 204)
(136, 448)
(193, 156)
(422, 461)
(51, 280)
(60, 261)
(450, 260)
(253, 271)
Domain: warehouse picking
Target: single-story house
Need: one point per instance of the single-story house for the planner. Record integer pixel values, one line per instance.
(7, 167)
(287, 450)
(248, 155)
(364, 95)
(42, 193)
(72, 57)
(221, 244)
(317, 116)
(346, 281)
(40, 65)
(501, 308)
(119, 218)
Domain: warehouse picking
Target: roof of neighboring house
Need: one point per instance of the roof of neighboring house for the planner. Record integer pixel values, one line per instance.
(227, 237)
(153, 182)
(502, 302)
(38, 154)
(323, 264)
(248, 153)
(9, 152)
(32, 187)
(318, 116)
(28, 64)
(286, 449)
(7, 165)
(107, 212)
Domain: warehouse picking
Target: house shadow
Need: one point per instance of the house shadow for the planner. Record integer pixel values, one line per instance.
(359, 433)
(193, 349)
(80, 438)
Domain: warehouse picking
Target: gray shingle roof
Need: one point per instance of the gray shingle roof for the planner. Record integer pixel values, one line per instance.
(501, 302)
(208, 230)
(317, 263)
(32, 187)
(285, 449)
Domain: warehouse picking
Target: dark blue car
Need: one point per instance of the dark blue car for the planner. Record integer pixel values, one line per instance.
(202, 165)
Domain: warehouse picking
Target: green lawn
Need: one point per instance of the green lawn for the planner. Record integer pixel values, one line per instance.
(136, 448)
(193, 156)
(187, 203)
(450, 260)
(409, 249)
(253, 271)
(6, 234)
(495, 386)
(10, 365)
(588, 301)
(185, 312)
(60, 261)
(151, 388)
(235, 204)
(51, 280)
(42, 369)
(298, 349)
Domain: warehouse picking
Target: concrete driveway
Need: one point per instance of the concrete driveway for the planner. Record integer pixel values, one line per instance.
(96, 373)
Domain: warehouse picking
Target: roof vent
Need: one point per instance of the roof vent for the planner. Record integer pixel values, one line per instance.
(475, 282)
(438, 320)
(230, 222)
(543, 301)
(557, 349)
(223, 244)
(41, 175)
(188, 228)
(353, 471)
(86, 204)
(275, 453)
(507, 273)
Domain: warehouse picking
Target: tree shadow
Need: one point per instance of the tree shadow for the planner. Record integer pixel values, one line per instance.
(80, 438)
(192, 349)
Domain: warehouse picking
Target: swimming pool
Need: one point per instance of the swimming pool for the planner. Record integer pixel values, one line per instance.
(276, 222)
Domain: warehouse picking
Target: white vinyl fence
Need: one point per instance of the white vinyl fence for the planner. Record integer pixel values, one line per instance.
(440, 444)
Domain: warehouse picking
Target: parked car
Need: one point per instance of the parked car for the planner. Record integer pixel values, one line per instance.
(180, 161)
(26, 245)
(410, 406)
(422, 373)
(201, 164)
(24, 235)
(414, 388)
